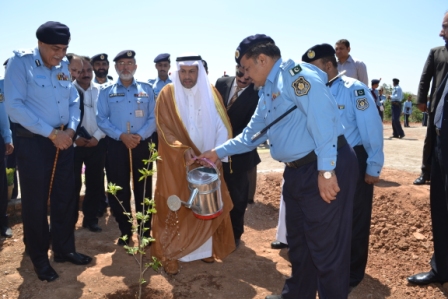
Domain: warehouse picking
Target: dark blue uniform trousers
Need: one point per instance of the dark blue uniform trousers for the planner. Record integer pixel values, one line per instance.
(94, 159)
(119, 174)
(396, 125)
(319, 233)
(439, 209)
(3, 186)
(362, 214)
(35, 158)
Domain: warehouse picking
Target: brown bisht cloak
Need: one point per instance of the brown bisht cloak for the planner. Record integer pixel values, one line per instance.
(181, 235)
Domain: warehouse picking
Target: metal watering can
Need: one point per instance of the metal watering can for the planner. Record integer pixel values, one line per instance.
(205, 198)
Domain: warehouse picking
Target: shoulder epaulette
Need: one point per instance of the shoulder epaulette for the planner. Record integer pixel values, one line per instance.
(23, 52)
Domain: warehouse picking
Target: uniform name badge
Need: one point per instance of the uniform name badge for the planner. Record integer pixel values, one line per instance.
(138, 113)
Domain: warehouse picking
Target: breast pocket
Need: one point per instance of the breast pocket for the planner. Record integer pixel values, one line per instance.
(143, 104)
(42, 87)
(64, 89)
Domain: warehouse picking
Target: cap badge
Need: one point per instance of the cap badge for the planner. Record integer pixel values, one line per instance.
(129, 53)
(237, 54)
(311, 54)
(102, 57)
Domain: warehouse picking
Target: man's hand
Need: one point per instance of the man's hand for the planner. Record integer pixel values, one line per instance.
(328, 188)
(62, 139)
(371, 179)
(92, 142)
(189, 156)
(422, 107)
(81, 141)
(210, 155)
(70, 133)
(130, 140)
(9, 148)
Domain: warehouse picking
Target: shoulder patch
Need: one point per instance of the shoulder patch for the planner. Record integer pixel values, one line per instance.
(360, 92)
(301, 86)
(362, 104)
(295, 70)
(23, 52)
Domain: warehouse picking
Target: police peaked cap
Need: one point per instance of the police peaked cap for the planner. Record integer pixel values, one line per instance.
(249, 42)
(125, 54)
(99, 57)
(375, 81)
(53, 33)
(318, 51)
(162, 57)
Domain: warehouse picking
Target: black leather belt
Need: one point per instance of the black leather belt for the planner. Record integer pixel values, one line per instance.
(311, 157)
(438, 132)
(21, 131)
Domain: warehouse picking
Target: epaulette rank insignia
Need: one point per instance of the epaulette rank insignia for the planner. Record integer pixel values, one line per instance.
(301, 86)
(360, 92)
(362, 104)
(295, 70)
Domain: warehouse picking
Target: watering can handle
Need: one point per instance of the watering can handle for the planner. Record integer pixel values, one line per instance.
(209, 162)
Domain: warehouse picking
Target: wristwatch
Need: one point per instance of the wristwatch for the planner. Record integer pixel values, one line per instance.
(327, 174)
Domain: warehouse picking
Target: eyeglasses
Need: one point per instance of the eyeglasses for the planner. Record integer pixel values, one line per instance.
(123, 63)
(239, 74)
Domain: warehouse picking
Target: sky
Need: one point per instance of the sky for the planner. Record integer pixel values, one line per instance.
(392, 38)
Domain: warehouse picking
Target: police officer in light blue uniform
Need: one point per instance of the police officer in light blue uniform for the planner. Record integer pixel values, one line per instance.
(320, 166)
(126, 115)
(163, 65)
(100, 65)
(396, 97)
(364, 132)
(43, 104)
(6, 148)
(407, 110)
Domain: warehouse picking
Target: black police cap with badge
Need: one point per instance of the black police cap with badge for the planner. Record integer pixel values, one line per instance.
(250, 42)
(162, 57)
(124, 54)
(318, 51)
(99, 57)
(53, 33)
(375, 81)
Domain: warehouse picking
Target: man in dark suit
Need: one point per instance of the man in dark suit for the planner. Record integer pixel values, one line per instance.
(438, 194)
(240, 99)
(435, 69)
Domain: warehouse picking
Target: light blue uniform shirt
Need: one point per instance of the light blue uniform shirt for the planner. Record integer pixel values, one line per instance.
(397, 94)
(361, 120)
(118, 105)
(406, 105)
(158, 84)
(39, 98)
(314, 126)
(4, 121)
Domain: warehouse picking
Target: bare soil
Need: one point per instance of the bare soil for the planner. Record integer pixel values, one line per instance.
(400, 245)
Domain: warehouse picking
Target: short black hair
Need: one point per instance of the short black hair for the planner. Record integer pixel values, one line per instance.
(344, 41)
(331, 59)
(268, 49)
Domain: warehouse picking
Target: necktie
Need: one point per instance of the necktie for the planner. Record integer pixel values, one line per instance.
(234, 97)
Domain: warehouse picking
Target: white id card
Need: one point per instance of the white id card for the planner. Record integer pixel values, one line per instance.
(138, 113)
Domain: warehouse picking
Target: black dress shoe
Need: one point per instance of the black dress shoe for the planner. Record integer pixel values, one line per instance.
(46, 273)
(6, 232)
(420, 181)
(93, 227)
(278, 245)
(73, 257)
(425, 278)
